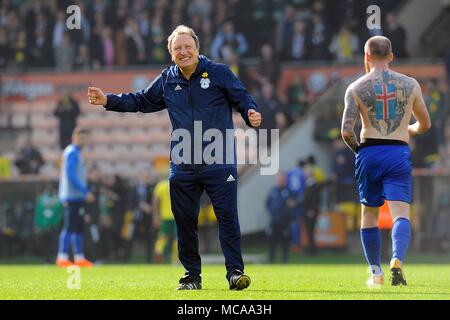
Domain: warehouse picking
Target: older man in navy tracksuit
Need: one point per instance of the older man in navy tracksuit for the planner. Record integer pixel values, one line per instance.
(198, 93)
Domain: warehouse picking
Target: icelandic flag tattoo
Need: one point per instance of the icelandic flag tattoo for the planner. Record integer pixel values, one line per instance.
(385, 101)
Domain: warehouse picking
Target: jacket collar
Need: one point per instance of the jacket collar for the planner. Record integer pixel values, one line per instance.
(175, 75)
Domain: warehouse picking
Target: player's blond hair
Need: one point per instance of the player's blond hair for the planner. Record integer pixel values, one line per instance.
(182, 29)
(80, 130)
(378, 47)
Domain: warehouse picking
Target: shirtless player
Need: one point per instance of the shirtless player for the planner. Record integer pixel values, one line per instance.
(385, 101)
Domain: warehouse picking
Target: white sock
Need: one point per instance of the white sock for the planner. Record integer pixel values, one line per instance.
(79, 257)
(63, 256)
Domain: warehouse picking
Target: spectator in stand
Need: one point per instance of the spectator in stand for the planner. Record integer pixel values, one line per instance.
(120, 16)
(96, 45)
(92, 215)
(318, 41)
(67, 111)
(269, 66)
(349, 12)
(227, 35)
(176, 18)
(28, 159)
(138, 7)
(65, 54)
(297, 97)
(345, 44)
(4, 47)
(105, 220)
(144, 22)
(5, 8)
(160, 5)
(311, 201)
(13, 24)
(164, 221)
(157, 40)
(116, 191)
(285, 30)
(280, 204)
(5, 166)
(425, 147)
(135, 43)
(47, 220)
(284, 117)
(397, 34)
(343, 173)
(196, 21)
(59, 29)
(141, 205)
(207, 31)
(232, 60)
(345, 195)
(220, 13)
(268, 104)
(108, 49)
(259, 24)
(120, 45)
(40, 49)
(296, 182)
(202, 8)
(295, 47)
(275, 113)
(98, 7)
(438, 109)
(38, 16)
(83, 61)
(19, 56)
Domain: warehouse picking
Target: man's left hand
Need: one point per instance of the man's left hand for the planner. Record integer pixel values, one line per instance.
(254, 117)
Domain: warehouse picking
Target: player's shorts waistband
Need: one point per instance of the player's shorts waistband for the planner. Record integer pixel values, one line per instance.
(381, 142)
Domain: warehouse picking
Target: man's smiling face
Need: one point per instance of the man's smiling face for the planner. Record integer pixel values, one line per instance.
(184, 51)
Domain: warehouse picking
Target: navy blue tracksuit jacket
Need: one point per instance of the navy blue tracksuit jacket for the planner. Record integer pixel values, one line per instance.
(208, 96)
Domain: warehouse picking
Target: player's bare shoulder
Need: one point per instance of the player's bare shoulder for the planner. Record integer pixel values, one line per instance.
(386, 95)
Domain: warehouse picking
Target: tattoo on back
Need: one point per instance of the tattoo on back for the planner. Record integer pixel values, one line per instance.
(386, 96)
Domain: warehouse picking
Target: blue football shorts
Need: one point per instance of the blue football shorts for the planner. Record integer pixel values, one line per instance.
(384, 172)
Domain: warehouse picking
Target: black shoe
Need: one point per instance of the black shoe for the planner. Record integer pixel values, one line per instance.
(189, 283)
(397, 275)
(238, 280)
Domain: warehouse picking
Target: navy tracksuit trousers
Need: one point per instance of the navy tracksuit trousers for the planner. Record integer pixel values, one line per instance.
(185, 192)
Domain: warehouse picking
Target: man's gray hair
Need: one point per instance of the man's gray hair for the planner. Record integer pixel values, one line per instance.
(182, 29)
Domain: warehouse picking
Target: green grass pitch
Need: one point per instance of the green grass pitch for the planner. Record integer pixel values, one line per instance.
(269, 282)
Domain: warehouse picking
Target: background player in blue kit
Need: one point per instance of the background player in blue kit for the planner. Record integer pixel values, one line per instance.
(296, 182)
(385, 101)
(196, 89)
(73, 192)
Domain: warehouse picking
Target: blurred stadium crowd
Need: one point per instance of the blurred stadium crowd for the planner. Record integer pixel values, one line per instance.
(256, 38)
(123, 33)
(126, 33)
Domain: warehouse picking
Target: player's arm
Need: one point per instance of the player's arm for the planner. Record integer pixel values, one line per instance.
(420, 113)
(240, 99)
(351, 113)
(148, 100)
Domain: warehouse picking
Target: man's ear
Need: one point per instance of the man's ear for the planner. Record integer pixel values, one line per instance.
(390, 57)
